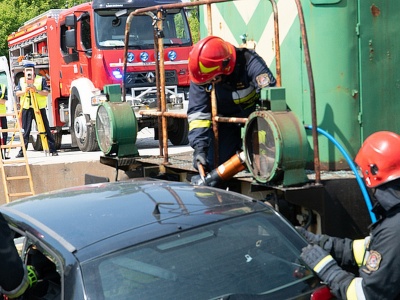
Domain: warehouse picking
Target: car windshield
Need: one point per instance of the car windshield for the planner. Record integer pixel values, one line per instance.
(110, 30)
(254, 254)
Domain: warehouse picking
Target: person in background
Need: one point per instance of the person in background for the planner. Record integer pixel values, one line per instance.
(41, 90)
(15, 277)
(3, 119)
(378, 254)
(238, 75)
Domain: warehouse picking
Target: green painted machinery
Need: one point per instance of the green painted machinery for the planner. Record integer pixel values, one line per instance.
(354, 53)
(275, 143)
(116, 125)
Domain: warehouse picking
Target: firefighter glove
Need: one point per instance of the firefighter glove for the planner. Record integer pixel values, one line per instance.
(200, 156)
(30, 279)
(32, 276)
(321, 262)
(309, 236)
(321, 240)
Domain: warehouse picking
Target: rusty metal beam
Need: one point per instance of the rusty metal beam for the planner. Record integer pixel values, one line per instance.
(160, 114)
(159, 48)
(317, 166)
(230, 120)
(277, 44)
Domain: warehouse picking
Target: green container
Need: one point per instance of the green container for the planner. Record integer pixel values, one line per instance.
(354, 57)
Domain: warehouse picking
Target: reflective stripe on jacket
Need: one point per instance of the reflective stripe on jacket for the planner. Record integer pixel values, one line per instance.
(237, 96)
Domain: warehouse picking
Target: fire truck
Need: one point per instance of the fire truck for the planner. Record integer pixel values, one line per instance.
(81, 49)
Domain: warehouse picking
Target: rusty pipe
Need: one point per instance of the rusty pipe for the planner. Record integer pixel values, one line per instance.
(277, 44)
(164, 122)
(230, 120)
(209, 19)
(158, 83)
(161, 77)
(183, 116)
(165, 113)
(214, 114)
(141, 11)
(317, 166)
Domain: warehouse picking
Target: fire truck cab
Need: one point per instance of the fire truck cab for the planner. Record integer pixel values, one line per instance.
(81, 49)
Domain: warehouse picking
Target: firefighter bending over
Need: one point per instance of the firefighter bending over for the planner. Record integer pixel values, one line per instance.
(378, 254)
(238, 75)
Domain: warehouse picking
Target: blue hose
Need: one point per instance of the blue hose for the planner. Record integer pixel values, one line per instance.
(353, 168)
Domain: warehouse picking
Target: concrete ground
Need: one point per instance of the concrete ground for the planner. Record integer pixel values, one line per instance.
(68, 169)
(145, 143)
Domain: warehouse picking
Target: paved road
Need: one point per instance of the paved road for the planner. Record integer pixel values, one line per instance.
(145, 143)
(70, 168)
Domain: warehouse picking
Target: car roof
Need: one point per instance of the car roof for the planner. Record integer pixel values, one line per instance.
(139, 210)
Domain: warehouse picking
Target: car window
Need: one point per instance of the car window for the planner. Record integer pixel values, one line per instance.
(252, 254)
(49, 285)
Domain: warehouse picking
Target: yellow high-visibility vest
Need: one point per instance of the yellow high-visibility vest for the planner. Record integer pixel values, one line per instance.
(3, 108)
(41, 100)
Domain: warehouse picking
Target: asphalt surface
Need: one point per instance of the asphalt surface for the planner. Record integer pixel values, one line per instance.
(145, 143)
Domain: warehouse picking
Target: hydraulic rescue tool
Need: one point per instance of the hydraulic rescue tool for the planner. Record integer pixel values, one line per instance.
(223, 172)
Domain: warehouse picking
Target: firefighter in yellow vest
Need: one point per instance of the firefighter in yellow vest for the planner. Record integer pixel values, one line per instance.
(3, 119)
(41, 90)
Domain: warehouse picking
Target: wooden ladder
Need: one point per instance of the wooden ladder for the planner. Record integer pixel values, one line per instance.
(11, 182)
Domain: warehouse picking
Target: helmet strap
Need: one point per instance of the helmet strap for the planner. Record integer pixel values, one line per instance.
(225, 62)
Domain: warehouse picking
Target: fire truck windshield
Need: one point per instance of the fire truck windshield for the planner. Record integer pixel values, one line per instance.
(110, 30)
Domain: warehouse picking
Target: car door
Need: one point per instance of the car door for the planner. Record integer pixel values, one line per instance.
(47, 263)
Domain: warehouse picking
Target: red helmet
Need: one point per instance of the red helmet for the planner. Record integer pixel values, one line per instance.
(210, 57)
(379, 159)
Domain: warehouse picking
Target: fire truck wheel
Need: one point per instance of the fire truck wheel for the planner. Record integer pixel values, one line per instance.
(85, 135)
(58, 139)
(35, 138)
(37, 141)
(178, 131)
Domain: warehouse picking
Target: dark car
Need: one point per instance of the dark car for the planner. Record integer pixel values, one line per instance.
(159, 240)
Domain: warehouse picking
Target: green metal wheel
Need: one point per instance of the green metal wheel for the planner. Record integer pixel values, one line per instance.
(116, 129)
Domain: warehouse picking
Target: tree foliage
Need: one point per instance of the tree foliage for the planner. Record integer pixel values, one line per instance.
(194, 23)
(13, 14)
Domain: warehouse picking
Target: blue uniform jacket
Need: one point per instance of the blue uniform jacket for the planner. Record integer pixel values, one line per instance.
(237, 96)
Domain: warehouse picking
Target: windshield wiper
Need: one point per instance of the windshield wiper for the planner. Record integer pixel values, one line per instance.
(130, 47)
(173, 45)
(240, 297)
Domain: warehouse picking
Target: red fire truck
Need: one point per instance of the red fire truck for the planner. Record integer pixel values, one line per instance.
(81, 49)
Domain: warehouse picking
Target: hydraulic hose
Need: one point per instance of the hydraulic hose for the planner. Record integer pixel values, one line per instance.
(353, 168)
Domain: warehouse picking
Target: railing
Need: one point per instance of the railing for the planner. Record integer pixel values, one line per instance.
(159, 48)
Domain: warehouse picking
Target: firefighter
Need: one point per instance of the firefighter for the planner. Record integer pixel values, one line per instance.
(378, 254)
(41, 90)
(238, 75)
(3, 119)
(15, 277)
